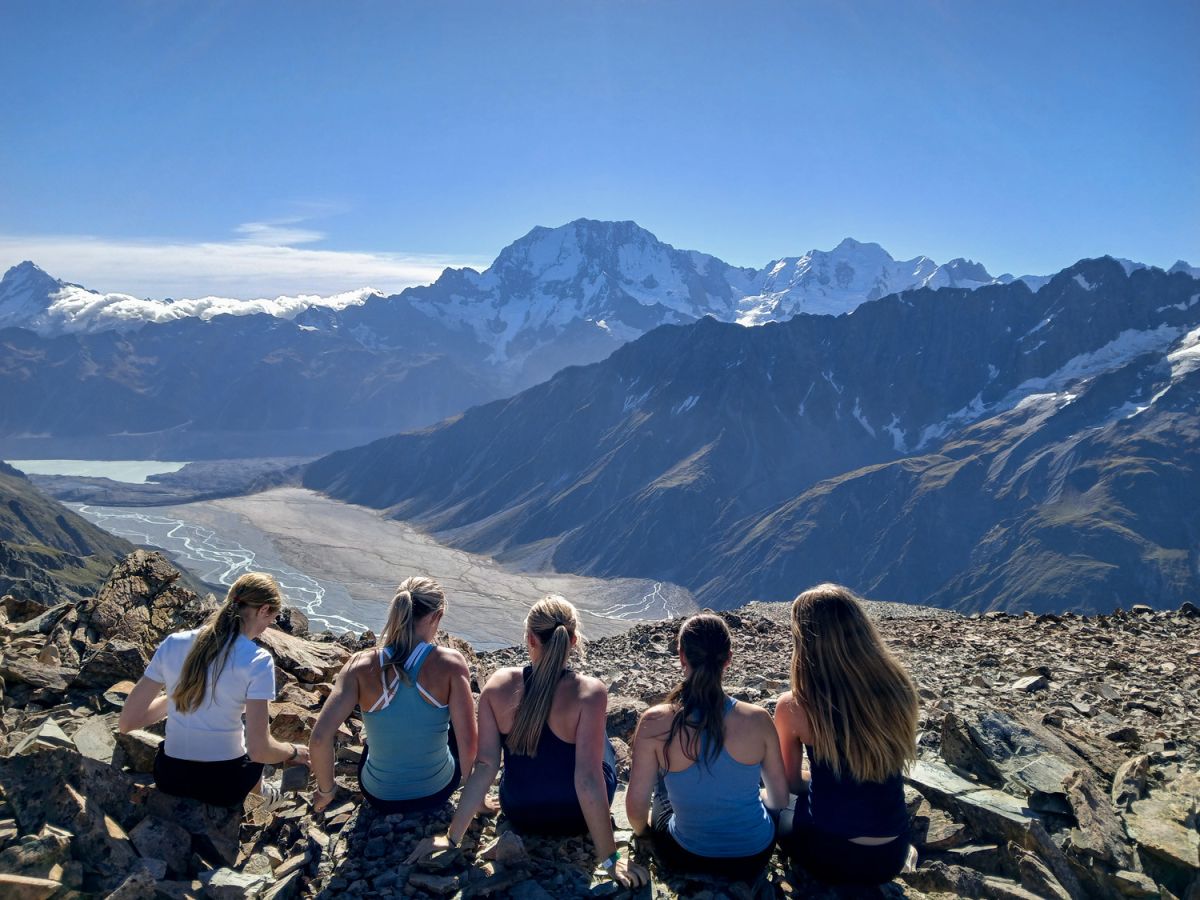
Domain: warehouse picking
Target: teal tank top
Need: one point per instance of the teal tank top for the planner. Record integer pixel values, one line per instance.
(718, 810)
(407, 735)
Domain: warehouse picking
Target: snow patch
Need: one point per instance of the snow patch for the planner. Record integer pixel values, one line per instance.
(861, 419)
(685, 405)
(1084, 283)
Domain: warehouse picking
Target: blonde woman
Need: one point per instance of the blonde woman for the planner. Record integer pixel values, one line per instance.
(212, 676)
(548, 723)
(698, 760)
(852, 712)
(416, 705)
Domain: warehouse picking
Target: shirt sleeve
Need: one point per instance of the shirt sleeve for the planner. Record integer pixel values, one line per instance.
(262, 678)
(157, 669)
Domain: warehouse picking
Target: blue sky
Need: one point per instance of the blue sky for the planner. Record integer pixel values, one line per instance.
(250, 148)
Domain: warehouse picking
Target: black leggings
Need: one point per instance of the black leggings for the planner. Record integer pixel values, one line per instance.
(836, 860)
(222, 783)
(416, 804)
(673, 856)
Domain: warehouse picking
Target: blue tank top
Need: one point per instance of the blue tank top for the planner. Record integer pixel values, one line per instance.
(408, 736)
(849, 808)
(718, 810)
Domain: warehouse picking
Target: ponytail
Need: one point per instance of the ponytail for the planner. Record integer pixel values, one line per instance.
(553, 621)
(414, 599)
(700, 698)
(213, 644)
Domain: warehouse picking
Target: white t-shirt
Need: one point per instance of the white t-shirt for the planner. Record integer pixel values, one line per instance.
(214, 731)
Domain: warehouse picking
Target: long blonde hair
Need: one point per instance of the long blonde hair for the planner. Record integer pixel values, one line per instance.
(553, 621)
(861, 704)
(217, 636)
(414, 599)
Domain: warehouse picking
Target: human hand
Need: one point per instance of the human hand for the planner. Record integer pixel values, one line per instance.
(629, 874)
(427, 847)
(301, 756)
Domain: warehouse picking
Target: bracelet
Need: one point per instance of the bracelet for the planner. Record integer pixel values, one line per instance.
(318, 790)
(451, 841)
(609, 863)
(295, 753)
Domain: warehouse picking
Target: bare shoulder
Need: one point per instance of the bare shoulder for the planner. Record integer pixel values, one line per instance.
(451, 661)
(791, 713)
(656, 721)
(591, 688)
(362, 661)
(503, 681)
(750, 712)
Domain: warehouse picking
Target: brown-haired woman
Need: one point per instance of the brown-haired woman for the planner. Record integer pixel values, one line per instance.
(418, 712)
(702, 755)
(212, 676)
(852, 711)
(549, 724)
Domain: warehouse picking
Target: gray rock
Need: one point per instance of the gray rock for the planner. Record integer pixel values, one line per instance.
(159, 838)
(27, 887)
(46, 736)
(95, 739)
(1031, 683)
(1135, 884)
(228, 884)
(140, 749)
(1129, 784)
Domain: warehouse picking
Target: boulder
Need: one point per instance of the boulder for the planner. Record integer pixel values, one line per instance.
(158, 838)
(114, 660)
(27, 887)
(308, 661)
(38, 854)
(1164, 826)
(623, 714)
(140, 748)
(227, 884)
(139, 884)
(46, 736)
(96, 738)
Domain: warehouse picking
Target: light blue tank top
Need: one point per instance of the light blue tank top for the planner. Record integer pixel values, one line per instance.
(407, 736)
(717, 808)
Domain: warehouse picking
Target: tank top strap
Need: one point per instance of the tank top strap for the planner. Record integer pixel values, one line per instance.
(417, 658)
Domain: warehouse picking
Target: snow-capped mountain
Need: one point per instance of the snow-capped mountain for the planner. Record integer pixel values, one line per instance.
(31, 298)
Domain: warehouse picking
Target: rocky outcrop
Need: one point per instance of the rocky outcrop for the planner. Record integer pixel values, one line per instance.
(1058, 758)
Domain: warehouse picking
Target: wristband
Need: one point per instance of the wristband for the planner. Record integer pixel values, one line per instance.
(451, 841)
(609, 863)
(295, 753)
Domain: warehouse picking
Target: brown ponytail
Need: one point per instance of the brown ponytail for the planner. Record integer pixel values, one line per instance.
(217, 636)
(700, 698)
(554, 622)
(414, 599)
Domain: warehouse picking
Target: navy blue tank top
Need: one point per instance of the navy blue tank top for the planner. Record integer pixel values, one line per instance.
(849, 808)
(545, 780)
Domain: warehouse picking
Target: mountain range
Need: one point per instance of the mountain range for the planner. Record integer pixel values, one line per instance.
(110, 375)
(974, 449)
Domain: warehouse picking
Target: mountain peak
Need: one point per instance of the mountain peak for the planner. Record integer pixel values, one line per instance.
(25, 292)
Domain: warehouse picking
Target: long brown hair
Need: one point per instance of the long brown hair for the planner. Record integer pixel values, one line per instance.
(554, 622)
(700, 718)
(414, 599)
(861, 704)
(218, 635)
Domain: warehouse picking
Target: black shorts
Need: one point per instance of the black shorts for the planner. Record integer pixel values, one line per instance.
(225, 782)
(834, 859)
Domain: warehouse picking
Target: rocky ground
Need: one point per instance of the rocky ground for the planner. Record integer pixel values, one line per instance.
(1059, 758)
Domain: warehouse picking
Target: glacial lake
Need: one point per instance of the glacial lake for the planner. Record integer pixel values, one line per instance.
(129, 471)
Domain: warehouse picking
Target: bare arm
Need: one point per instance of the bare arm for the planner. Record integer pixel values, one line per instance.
(262, 747)
(336, 709)
(643, 774)
(791, 727)
(145, 705)
(462, 715)
(591, 738)
(774, 774)
(483, 773)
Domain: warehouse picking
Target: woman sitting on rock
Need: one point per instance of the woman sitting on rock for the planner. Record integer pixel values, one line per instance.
(852, 711)
(417, 710)
(214, 675)
(548, 722)
(698, 760)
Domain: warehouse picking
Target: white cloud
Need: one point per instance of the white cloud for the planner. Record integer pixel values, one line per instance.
(278, 233)
(244, 269)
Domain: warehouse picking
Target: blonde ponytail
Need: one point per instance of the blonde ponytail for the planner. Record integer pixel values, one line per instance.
(217, 636)
(414, 599)
(554, 622)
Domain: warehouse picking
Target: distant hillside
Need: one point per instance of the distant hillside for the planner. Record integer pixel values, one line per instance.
(973, 449)
(88, 374)
(47, 552)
